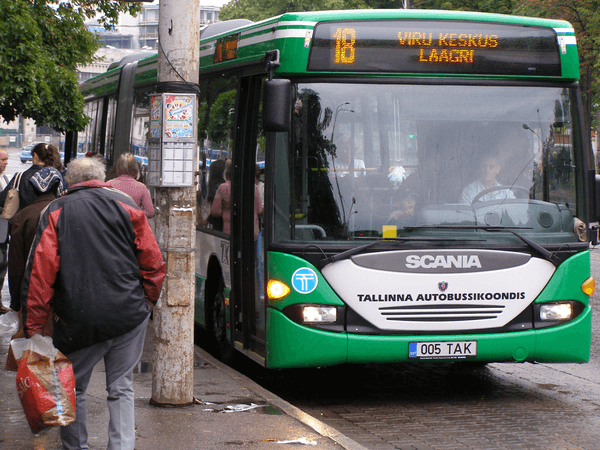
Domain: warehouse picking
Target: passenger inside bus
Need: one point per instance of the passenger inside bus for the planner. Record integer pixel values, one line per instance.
(407, 195)
(221, 205)
(347, 161)
(489, 168)
(215, 179)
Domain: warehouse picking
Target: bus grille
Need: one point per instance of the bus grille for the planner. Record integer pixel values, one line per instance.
(440, 313)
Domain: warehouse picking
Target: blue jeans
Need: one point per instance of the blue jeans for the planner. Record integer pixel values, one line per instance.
(121, 355)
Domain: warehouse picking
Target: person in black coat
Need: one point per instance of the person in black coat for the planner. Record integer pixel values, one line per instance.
(48, 184)
(43, 156)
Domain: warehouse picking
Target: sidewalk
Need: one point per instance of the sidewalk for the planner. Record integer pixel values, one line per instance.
(205, 426)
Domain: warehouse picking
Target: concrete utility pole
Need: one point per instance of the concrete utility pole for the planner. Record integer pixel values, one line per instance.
(175, 223)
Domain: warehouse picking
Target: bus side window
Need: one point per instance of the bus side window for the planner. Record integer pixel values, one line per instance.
(215, 130)
(140, 126)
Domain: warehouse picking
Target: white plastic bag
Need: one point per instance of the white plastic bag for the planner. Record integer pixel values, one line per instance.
(9, 324)
(45, 383)
(41, 344)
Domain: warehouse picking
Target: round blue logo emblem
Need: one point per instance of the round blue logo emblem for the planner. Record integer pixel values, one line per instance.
(305, 280)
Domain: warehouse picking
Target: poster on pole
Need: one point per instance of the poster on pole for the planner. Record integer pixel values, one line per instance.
(155, 105)
(179, 116)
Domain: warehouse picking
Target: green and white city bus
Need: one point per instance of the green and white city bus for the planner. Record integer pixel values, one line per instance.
(428, 190)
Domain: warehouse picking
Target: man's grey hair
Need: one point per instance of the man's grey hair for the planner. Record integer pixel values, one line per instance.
(85, 169)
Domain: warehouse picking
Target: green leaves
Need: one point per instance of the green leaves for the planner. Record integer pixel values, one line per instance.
(220, 119)
(262, 9)
(41, 44)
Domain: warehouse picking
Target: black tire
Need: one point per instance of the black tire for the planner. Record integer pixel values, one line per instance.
(218, 329)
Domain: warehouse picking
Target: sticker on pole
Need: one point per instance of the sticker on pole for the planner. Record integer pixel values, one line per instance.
(305, 280)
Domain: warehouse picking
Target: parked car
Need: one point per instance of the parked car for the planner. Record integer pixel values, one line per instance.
(26, 152)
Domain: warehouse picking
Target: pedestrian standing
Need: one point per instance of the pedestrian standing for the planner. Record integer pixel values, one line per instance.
(4, 229)
(128, 173)
(49, 184)
(43, 156)
(95, 264)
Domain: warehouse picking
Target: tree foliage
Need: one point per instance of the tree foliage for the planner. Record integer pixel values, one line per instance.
(41, 43)
(489, 6)
(584, 15)
(220, 119)
(262, 9)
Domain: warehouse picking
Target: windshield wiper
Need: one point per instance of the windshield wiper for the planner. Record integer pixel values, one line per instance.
(353, 251)
(548, 255)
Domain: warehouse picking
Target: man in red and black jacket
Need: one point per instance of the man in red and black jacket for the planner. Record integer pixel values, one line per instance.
(96, 266)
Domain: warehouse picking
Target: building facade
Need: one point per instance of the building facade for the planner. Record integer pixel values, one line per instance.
(132, 35)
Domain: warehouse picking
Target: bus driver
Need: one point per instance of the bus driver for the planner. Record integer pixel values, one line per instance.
(489, 169)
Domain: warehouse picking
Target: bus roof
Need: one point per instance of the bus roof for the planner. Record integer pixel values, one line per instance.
(240, 42)
(375, 14)
(108, 82)
(294, 33)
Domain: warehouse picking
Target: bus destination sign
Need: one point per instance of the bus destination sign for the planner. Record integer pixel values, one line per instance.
(226, 49)
(422, 46)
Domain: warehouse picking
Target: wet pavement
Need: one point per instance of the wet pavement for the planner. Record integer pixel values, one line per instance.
(231, 412)
(427, 407)
(446, 406)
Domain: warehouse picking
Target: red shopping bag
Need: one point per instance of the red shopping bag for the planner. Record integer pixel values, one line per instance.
(46, 385)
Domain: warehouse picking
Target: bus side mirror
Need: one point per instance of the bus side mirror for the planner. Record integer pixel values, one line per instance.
(277, 105)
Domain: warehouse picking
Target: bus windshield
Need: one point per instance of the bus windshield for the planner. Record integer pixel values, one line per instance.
(366, 161)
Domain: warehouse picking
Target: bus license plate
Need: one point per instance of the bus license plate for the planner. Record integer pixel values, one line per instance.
(442, 350)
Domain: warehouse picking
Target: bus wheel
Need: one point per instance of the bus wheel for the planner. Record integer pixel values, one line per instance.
(223, 348)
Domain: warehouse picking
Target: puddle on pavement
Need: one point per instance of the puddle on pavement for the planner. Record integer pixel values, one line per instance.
(243, 405)
(198, 362)
(235, 407)
(548, 386)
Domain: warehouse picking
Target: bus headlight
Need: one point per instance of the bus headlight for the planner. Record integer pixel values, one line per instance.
(319, 314)
(556, 311)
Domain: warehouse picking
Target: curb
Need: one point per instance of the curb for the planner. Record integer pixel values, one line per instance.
(289, 409)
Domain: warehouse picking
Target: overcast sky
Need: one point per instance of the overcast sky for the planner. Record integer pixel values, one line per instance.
(204, 2)
(213, 2)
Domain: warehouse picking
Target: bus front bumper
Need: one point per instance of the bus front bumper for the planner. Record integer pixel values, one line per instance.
(292, 345)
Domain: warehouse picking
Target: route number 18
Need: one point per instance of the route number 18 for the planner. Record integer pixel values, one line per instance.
(344, 45)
